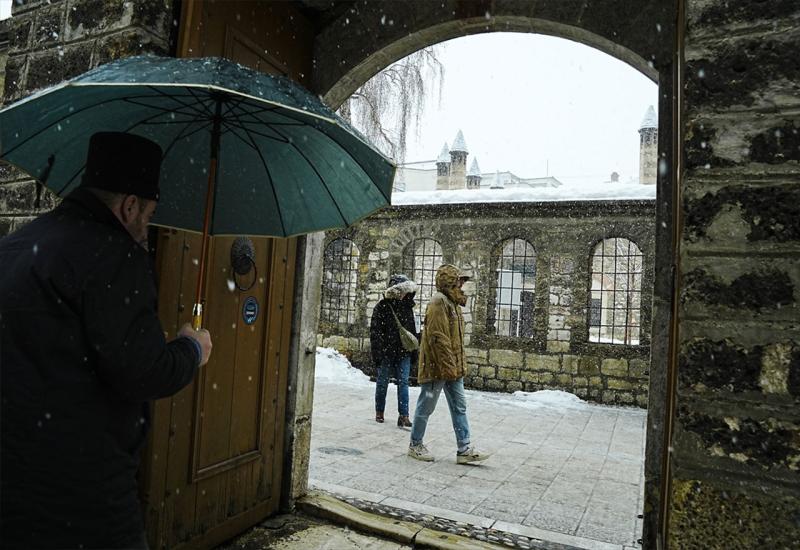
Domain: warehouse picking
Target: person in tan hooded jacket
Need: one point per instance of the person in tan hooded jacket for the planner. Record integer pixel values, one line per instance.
(442, 366)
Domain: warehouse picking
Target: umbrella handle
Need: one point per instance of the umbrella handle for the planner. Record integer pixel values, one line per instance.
(197, 316)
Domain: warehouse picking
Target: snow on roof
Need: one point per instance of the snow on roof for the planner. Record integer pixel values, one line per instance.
(474, 170)
(650, 119)
(444, 155)
(459, 144)
(566, 192)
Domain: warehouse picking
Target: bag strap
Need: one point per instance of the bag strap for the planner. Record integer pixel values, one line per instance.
(396, 320)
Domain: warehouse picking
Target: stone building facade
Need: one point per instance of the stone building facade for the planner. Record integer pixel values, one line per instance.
(527, 328)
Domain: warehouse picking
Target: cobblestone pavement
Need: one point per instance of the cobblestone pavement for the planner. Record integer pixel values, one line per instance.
(571, 475)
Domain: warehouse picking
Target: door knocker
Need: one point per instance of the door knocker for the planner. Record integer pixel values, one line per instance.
(243, 260)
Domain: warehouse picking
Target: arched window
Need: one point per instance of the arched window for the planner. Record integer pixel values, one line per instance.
(339, 281)
(616, 293)
(513, 289)
(421, 259)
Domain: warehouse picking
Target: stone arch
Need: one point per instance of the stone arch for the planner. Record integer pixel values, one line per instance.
(343, 64)
(367, 37)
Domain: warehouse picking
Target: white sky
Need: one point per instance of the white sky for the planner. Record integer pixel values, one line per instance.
(5, 9)
(523, 100)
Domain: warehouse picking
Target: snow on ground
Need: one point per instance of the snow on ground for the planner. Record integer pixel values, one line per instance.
(573, 192)
(333, 367)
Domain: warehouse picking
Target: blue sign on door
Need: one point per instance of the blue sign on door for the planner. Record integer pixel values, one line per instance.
(250, 310)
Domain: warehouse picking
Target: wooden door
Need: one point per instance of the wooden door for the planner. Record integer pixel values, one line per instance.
(214, 463)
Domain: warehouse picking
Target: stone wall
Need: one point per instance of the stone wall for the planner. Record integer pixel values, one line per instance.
(53, 40)
(558, 355)
(737, 440)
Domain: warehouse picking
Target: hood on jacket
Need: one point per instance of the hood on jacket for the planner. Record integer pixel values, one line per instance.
(447, 277)
(399, 285)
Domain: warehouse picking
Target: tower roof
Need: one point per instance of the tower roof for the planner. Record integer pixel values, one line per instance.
(474, 170)
(650, 119)
(459, 144)
(444, 155)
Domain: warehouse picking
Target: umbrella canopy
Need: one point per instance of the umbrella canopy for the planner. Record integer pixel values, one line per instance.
(286, 164)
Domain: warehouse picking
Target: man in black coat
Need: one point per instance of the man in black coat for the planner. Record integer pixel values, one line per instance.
(82, 352)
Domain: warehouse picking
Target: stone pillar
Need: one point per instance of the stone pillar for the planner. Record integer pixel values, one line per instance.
(737, 440)
(458, 170)
(559, 326)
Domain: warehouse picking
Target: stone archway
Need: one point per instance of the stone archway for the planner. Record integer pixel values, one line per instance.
(366, 38)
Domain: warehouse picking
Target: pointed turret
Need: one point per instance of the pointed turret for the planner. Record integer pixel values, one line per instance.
(443, 168)
(648, 147)
(458, 162)
(474, 175)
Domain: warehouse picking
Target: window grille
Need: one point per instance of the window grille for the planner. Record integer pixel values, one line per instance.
(421, 259)
(339, 282)
(513, 290)
(616, 293)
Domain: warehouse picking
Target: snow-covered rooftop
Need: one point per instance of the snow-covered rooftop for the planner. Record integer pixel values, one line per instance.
(444, 154)
(474, 170)
(574, 192)
(459, 144)
(650, 119)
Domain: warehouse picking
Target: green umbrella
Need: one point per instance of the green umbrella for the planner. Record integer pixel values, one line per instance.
(245, 153)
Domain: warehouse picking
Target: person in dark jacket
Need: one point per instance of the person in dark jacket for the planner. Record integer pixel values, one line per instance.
(388, 355)
(82, 352)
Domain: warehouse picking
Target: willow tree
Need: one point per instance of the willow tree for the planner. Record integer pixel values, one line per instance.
(393, 101)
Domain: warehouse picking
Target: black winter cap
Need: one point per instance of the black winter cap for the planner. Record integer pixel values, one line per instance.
(123, 163)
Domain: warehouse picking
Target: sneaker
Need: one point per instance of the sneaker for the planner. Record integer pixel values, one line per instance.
(403, 422)
(420, 452)
(470, 456)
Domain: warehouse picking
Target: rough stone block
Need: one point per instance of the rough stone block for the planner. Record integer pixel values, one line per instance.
(609, 397)
(768, 211)
(580, 381)
(48, 27)
(775, 363)
(16, 68)
(487, 372)
(495, 385)
(719, 365)
(563, 335)
(128, 43)
(625, 397)
(588, 365)
(550, 363)
(614, 367)
(596, 381)
(514, 386)
(556, 321)
(765, 289)
(618, 384)
(505, 358)
(525, 376)
(581, 392)
(564, 380)
(504, 373)
(641, 400)
(53, 66)
(17, 198)
(639, 368)
(19, 33)
(570, 363)
(555, 346)
(476, 354)
(711, 510)
(478, 383)
(92, 17)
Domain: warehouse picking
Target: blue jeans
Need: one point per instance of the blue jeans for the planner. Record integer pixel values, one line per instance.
(456, 400)
(399, 368)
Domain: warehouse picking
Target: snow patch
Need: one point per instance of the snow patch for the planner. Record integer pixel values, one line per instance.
(554, 399)
(332, 366)
(604, 191)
